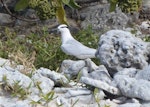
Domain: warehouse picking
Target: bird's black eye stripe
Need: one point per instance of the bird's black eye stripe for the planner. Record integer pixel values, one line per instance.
(64, 27)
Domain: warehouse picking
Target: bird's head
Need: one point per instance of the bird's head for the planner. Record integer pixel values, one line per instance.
(59, 29)
(62, 28)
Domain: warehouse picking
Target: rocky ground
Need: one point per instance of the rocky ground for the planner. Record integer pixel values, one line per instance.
(122, 79)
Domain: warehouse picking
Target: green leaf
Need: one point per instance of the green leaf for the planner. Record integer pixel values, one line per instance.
(96, 90)
(4, 78)
(113, 4)
(73, 4)
(21, 5)
(66, 1)
(75, 102)
(79, 76)
(61, 15)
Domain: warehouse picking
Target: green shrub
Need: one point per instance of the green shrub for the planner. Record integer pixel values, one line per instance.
(146, 38)
(127, 6)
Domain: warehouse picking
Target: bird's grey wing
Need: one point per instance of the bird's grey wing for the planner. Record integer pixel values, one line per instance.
(69, 49)
(80, 47)
(77, 45)
(75, 48)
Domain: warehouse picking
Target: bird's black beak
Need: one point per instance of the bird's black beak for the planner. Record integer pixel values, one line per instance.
(53, 30)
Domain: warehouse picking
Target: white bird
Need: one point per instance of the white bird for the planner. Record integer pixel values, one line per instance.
(70, 46)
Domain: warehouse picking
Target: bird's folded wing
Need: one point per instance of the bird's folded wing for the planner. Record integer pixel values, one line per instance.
(77, 49)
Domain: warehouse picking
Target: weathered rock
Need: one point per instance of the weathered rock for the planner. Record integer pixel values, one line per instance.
(128, 72)
(5, 19)
(120, 100)
(64, 89)
(101, 85)
(45, 84)
(144, 74)
(119, 49)
(14, 76)
(133, 88)
(13, 102)
(137, 32)
(91, 65)
(72, 68)
(101, 19)
(80, 101)
(100, 73)
(146, 3)
(65, 65)
(81, 95)
(144, 12)
(83, 101)
(145, 25)
(145, 103)
(5, 62)
(54, 76)
(130, 105)
(76, 84)
(77, 92)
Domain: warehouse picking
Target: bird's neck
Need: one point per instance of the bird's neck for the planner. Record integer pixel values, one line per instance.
(65, 36)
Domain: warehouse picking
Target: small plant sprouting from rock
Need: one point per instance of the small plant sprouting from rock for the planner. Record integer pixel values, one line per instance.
(46, 98)
(74, 103)
(35, 103)
(79, 75)
(146, 38)
(4, 84)
(16, 89)
(97, 99)
(19, 91)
